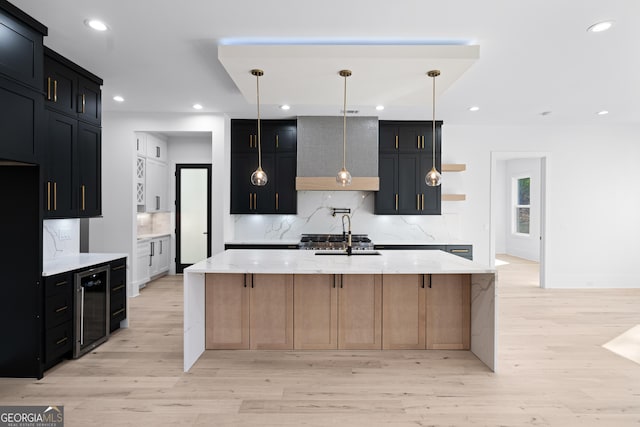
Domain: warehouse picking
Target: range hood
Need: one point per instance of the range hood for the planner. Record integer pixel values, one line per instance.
(320, 153)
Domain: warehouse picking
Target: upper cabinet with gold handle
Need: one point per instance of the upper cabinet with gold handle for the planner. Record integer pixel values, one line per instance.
(70, 89)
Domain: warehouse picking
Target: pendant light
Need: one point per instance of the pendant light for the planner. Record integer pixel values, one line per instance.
(344, 177)
(433, 177)
(258, 177)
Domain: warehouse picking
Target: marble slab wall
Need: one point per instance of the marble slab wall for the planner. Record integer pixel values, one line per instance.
(60, 237)
(314, 216)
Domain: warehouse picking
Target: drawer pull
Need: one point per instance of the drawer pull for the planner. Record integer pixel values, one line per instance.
(117, 288)
(60, 341)
(460, 251)
(61, 309)
(61, 283)
(120, 267)
(114, 314)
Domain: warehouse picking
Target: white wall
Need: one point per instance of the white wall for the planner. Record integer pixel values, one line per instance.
(116, 230)
(591, 226)
(500, 204)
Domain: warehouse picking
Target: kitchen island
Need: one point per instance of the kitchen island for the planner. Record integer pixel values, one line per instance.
(222, 287)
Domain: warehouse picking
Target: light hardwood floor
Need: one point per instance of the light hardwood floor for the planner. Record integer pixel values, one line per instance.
(552, 372)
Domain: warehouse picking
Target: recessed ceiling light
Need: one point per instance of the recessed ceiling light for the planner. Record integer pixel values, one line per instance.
(474, 108)
(284, 107)
(197, 106)
(600, 27)
(379, 107)
(545, 113)
(603, 113)
(118, 98)
(96, 24)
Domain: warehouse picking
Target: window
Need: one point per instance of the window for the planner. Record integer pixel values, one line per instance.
(522, 205)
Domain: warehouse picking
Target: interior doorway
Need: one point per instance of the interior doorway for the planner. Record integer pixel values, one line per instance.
(193, 214)
(512, 232)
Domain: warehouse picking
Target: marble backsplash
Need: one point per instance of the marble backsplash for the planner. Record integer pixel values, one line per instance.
(154, 223)
(314, 216)
(60, 237)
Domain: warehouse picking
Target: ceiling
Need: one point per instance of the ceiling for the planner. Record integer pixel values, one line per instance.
(534, 56)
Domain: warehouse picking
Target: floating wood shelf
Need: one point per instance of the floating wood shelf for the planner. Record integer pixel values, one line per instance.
(454, 167)
(454, 197)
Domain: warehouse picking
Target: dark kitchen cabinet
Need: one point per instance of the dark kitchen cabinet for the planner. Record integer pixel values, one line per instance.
(278, 140)
(405, 156)
(21, 103)
(72, 170)
(58, 318)
(71, 89)
(72, 167)
(117, 293)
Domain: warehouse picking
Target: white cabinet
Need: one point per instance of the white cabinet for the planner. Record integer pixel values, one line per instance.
(142, 264)
(160, 250)
(156, 188)
(156, 148)
(152, 180)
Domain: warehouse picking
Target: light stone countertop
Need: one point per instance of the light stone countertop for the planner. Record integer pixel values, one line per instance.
(143, 237)
(306, 262)
(77, 261)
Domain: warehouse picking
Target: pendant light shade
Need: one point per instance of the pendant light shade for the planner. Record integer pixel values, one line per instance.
(258, 177)
(344, 177)
(433, 177)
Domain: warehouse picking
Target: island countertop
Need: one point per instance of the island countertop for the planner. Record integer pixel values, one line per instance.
(285, 261)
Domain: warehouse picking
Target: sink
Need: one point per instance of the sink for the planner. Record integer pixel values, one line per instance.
(354, 253)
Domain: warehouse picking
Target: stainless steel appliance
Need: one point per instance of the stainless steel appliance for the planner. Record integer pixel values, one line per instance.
(338, 242)
(91, 309)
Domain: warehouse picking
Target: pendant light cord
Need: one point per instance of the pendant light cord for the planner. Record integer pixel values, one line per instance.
(433, 135)
(258, 98)
(344, 126)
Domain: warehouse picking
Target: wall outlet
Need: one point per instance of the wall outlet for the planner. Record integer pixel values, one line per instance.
(64, 234)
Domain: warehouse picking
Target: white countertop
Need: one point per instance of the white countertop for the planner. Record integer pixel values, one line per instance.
(77, 261)
(375, 242)
(306, 262)
(143, 237)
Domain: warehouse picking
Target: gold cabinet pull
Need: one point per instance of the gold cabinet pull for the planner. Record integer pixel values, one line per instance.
(48, 88)
(417, 202)
(61, 309)
(277, 141)
(115, 313)
(60, 341)
(117, 288)
(250, 141)
(250, 201)
(48, 195)
(255, 201)
(396, 201)
(396, 142)
(83, 197)
(277, 207)
(119, 267)
(55, 196)
(83, 103)
(460, 251)
(64, 282)
(422, 141)
(418, 142)
(55, 91)
(422, 201)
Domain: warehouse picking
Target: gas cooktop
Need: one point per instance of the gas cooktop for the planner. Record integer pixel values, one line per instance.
(334, 242)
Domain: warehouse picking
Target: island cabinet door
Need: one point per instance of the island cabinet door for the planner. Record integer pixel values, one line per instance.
(449, 312)
(271, 312)
(360, 312)
(315, 312)
(227, 311)
(403, 312)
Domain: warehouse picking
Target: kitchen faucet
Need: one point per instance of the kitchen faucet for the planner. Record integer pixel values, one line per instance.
(349, 248)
